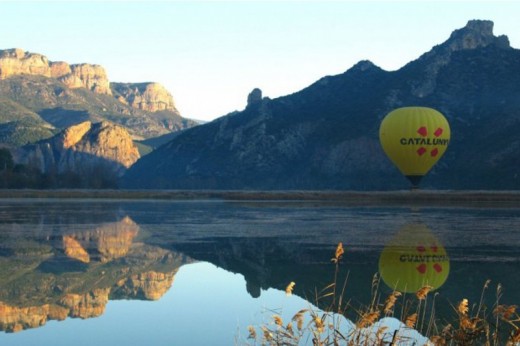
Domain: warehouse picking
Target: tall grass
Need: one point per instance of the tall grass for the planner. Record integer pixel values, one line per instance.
(398, 319)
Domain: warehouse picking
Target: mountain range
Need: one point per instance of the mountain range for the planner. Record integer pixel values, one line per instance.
(326, 135)
(39, 98)
(322, 137)
(66, 125)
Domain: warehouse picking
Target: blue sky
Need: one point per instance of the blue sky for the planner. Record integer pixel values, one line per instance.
(211, 54)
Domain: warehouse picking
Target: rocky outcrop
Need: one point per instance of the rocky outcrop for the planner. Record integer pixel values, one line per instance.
(254, 96)
(56, 95)
(477, 34)
(150, 97)
(60, 69)
(17, 62)
(83, 149)
(91, 77)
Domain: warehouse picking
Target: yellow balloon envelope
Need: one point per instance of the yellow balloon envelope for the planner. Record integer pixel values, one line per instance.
(414, 138)
(414, 258)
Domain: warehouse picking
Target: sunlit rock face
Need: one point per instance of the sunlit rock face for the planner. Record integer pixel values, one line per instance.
(39, 97)
(91, 77)
(82, 149)
(150, 97)
(106, 140)
(15, 62)
(59, 69)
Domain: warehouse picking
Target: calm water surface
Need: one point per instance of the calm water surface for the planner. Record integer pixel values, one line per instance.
(90, 272)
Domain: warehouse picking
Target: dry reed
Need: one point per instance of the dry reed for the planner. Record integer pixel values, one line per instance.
(470, 326)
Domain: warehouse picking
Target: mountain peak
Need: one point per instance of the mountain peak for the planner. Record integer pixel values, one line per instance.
(363, 65)
(254, 96)
(476, 34)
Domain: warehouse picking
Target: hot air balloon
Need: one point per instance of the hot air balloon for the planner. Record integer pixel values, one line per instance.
(414, 258)
(414, 138)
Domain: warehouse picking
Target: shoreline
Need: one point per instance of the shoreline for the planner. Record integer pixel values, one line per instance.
(420, 197)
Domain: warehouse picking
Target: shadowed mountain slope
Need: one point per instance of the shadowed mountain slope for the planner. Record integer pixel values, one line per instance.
(326, 135)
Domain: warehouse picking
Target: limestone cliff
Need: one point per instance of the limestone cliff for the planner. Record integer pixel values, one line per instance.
(92, 77)
(150, 97)
(15, 62)
(54, 95)
(84, 149)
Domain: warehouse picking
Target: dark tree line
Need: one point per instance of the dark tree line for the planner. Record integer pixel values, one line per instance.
(19, 176)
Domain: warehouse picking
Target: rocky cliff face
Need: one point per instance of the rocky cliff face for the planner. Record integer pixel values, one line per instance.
(150, 97)
(15, 62)
(91, 77)
(477, 34)
(326, 135)
(254, 96)
(55, 94)
(83, 149)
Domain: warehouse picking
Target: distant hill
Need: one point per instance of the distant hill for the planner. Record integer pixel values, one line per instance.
(56, 95)
(326, 135)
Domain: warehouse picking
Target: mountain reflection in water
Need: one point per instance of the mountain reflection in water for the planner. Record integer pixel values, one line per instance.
(62, 260)
(72, 270)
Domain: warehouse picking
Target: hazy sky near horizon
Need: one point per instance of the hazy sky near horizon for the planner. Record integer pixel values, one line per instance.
(211, 54)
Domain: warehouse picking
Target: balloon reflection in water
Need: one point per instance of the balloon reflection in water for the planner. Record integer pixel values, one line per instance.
(414, 258)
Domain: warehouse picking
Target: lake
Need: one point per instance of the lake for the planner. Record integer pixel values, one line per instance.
(199, 272)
